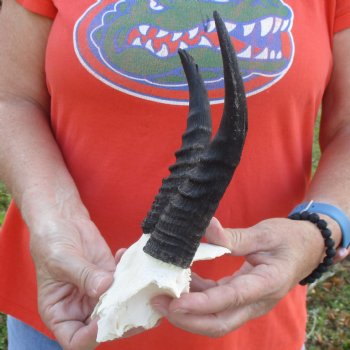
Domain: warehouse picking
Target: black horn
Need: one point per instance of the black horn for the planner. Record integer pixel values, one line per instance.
(194, 141)
(183, 221)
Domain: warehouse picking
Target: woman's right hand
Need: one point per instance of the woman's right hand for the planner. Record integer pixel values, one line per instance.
(74, 267)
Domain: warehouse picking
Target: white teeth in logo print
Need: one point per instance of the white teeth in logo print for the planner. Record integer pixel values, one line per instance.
(267, 25)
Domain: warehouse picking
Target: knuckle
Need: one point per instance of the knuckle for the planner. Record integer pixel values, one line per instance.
(220, 330)
(83, 278)
(235, 238)
(236, 298)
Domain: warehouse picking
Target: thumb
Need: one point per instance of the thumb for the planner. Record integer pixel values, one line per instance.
(89, 278)
(239, 241)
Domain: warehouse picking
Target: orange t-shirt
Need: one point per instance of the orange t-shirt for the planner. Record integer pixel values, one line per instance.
(118, 118)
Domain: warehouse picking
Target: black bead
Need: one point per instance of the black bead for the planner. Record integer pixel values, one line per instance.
(316, 274)
(295, 216)
(329, 243)
(326, 233)
(322, 224)
(331, 252)
(309, 279)
(303, 282)
(304, 215)
(322, 268)
(314, 218)
(327, 261)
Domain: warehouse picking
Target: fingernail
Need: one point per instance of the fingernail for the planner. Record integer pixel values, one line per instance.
(342, 252)
(97, 282)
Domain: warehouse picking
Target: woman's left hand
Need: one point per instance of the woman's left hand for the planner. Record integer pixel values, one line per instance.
(279, 253)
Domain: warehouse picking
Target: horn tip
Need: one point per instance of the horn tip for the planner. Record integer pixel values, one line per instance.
(182, 53)
(217, 16)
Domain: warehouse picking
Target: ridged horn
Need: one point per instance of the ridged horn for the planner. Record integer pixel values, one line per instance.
(182, 224)
(194, 141)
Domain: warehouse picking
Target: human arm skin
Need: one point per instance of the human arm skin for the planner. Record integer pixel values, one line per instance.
(73, 263)
(279, 252)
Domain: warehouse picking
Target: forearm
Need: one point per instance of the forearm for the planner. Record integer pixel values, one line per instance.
(331, 183)
(31, 164)
(68, 250)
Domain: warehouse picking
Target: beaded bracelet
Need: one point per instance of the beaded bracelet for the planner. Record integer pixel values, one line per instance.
(328, 241)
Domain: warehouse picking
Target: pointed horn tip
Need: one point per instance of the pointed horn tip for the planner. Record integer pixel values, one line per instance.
(186, 58)
(218, 20)
(184, 54)
(224, 38)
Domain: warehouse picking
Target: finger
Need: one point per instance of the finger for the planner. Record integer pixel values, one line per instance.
(76, 335)
(220, 324)
(241, 290)
(161, 304)
(199, 284)
(239, 241)
(119, 254)
(216, 234)
(342, 253)
(89, 278)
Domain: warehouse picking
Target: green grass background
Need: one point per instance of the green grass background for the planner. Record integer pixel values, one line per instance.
(328, 300)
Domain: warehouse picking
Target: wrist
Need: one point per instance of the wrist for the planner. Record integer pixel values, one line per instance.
(329, 244)
(313, 240)
(41, 203)
(337, 220)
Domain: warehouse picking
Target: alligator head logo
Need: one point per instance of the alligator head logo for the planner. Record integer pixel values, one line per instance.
(131, 45)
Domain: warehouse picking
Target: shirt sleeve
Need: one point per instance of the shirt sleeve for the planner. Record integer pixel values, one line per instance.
(342, 15)
(41, 7)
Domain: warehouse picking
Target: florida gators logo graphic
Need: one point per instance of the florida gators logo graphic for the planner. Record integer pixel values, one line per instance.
(131, 45)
